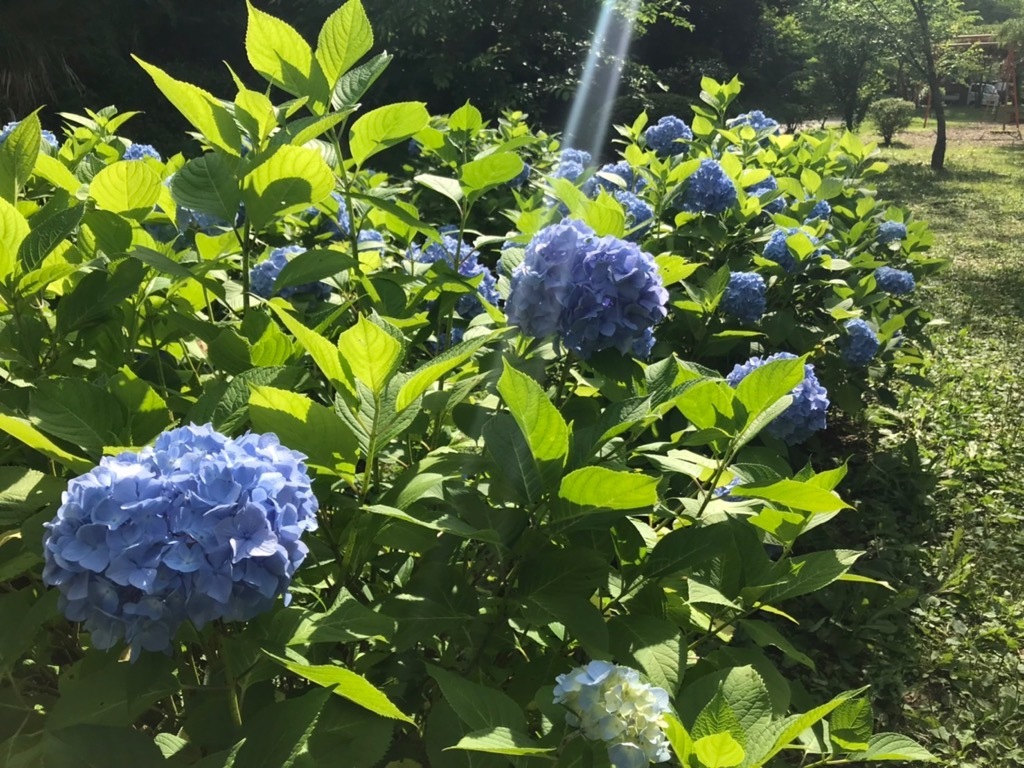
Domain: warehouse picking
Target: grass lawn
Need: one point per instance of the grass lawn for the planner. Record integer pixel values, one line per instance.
(941, 488)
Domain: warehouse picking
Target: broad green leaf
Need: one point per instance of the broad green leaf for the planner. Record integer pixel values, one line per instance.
(795, 495)
(603, 488)
(542, 425)
(384, 127)
(356, 82)
(312, 266)
(256, 114)
(279, 53)
(765, 634)
(655, 644)
(747, 695)
(444, 523)
(707, 404)
(516, 471)
(489, 171)
(719, 750)
(324, 353)
(56, 173)
(442, 185)
(148, 414)
(892, 746)
(24, 491)
(18, 154)
(207, 114)
(346, 36)
(680, 739)
(583, 620)
(93, 746)
(794, 725)
(501, 741)
(466, 118)
(292, 179)
(765, 385)
(278, 735)
(478, 706)
(605, 216)
(304, 426)
(851, 724)
(300, 132)
(13, 231)
(126, 187)
(79, 412)
(22, 430)
(344, 622)
(808, 573)
(348, 685)
(372, 353)
(208, 184)
(424, 376)
(42, 240)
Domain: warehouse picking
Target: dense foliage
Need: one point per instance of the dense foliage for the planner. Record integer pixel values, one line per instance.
(505, 458)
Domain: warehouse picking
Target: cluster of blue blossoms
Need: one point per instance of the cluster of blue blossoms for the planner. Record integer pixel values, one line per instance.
(466, 261)
(639, 214)
(822, 211)
(756, 120)
(765, 188)
(897, 282)
(891, 232)
(139, 151)
(805, 415)
(709, 190)
(264, 275)
(199, 527)
(860, 344)
(572, 165)
(745, 297)
(593, 293)
(610, 703)
(48, 136)
(777, 248)
(668, 136)
(621, 170)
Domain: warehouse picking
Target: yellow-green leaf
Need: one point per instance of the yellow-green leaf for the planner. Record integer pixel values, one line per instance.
(372, 353)
(344, 38)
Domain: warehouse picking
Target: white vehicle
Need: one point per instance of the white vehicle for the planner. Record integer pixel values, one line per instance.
(983, 94)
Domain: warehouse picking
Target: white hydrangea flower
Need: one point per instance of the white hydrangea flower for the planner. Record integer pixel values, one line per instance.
(611, 703)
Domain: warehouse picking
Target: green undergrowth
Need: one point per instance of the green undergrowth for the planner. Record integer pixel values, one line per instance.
(940, 484)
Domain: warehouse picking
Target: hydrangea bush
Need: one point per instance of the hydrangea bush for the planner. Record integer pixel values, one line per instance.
(496, 463)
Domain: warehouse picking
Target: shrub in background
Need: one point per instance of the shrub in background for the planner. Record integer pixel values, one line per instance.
(891, 116)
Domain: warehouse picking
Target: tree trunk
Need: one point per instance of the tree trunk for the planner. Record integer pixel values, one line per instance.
(931, 72)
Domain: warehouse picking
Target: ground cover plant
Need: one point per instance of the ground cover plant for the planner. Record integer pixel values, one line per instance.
(503, 457)
(938, 489)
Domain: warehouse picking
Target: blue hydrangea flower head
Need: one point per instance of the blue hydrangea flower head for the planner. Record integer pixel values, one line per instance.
(574, 171)
(778, 251)
(860, 343)
(668, 136)
(639, 214)
(610, 703)
(745, 297)
(466, 261)
(765, 188)
(621, 170)
(897, 282)
(756, 120)
(579, 156)
(263, 276)
(805, 415)
(523, 177)
(709, 190)
(592, 293)
(341, 225)
(371, 236)
(198, 527)
(822, 210)
(48, 137)
(891, 232)
(139, 151)
(724, 492)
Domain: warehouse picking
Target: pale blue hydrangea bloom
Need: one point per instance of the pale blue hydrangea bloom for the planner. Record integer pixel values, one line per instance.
(48, 137)
(709, 190)
(592, 293)
(139, 151)
(199, 527)
(860, 344)
(897, 282)
(639, 213)
(756, 120)
(466, 260)
(745, 297)
(610, 703)
(891, 232)
(765, 188)
(668, 136)
(263, 276)
(806, 414)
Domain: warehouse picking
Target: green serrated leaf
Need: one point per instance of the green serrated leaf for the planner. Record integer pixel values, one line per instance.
(346, 36)
(384, 127)
(501, 741)
(290, 180)
(372, 353)
(603, 488)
